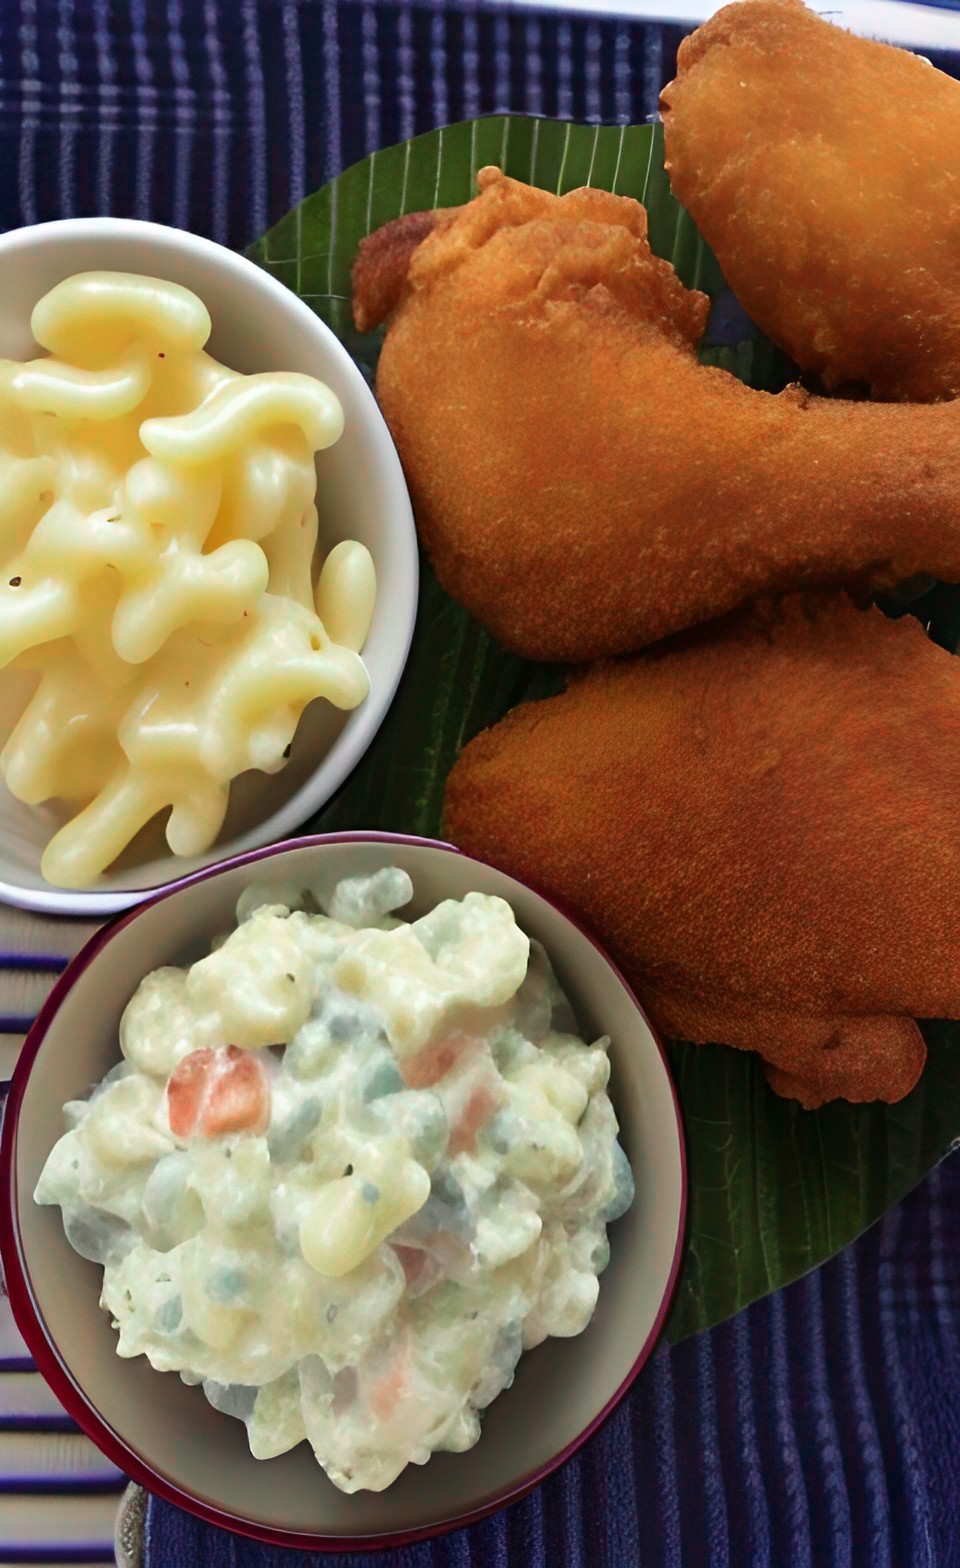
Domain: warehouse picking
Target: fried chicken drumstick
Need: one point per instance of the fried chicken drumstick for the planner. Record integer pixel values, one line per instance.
(824, 170)
(764, 827)
(582, 483)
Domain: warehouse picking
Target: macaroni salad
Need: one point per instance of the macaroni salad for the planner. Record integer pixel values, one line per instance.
(348, 1170)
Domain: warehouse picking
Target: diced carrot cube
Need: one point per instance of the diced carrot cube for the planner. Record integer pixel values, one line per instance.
(388, 1388)
(434, 1061)
(477, 1111)
(218, 1090)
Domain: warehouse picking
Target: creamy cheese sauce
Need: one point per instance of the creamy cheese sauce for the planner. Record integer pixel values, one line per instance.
(161, 629)
(348, 1170)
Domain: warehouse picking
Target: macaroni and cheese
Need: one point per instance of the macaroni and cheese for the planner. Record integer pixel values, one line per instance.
(349, 1169)
(158, 530)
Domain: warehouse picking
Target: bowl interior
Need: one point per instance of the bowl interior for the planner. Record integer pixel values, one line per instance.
(257, 325)
(561, 1387)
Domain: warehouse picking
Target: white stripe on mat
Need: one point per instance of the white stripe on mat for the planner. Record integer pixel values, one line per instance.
(59, 1524)
(896, 21)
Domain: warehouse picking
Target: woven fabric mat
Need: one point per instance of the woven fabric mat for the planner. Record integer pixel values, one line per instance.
(817, 1428)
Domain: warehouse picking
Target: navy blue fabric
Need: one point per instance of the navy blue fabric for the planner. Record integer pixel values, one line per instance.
(822, 1426)
(218, 115)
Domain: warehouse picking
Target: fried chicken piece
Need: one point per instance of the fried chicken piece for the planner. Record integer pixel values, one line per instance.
(763, 825)
(581, 482)
(824, 170)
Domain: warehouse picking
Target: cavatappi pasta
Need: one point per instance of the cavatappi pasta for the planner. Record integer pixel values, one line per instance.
(349, 1168)
(158, 532)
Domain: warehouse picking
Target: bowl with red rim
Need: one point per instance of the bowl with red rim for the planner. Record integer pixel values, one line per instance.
(164, 1434)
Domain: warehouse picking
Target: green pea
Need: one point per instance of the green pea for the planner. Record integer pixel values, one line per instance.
(386, 1078)
(169, 1316)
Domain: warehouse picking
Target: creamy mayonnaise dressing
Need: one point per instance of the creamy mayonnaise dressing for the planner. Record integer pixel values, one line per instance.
(349, 1169)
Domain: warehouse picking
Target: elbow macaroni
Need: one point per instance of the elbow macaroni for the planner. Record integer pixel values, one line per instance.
(345, 1223)
(348, 1237)
(158, 530)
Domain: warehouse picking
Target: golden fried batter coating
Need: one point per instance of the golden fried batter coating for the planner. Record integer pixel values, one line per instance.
(763, 825)
(824, 170)
(581, 482)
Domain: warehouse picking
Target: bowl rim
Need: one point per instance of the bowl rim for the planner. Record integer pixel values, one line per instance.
(349, 747)
(31, 1323)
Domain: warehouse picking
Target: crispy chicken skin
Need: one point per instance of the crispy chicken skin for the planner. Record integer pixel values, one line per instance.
(581, 482)
(763, 826)
(824, 171)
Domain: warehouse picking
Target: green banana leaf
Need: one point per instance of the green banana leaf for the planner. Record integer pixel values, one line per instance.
(774, 1190)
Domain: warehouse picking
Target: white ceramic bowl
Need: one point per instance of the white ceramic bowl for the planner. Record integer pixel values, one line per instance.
(257, 325)
(166, 1435)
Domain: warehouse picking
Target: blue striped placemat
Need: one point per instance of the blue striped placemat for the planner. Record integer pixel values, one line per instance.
(817, 1428)
(58, 1495)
